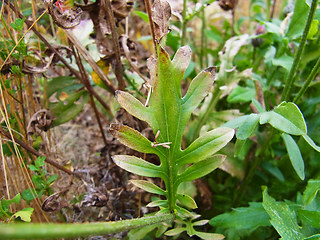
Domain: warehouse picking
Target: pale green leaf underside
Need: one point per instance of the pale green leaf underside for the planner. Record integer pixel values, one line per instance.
(187, 201)
(148, 186)
(202, 168)
(137, 165)
(206, 145)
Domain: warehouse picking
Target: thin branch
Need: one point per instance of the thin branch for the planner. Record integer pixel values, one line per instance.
(147, 3)
(116, 46)
(86, 82)
(35, 152)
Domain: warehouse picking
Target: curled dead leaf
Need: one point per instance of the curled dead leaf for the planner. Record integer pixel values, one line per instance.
(63, 17)
(161, 13)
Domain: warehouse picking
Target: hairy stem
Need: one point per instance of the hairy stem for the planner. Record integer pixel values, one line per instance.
(72, 230)
(297, 57)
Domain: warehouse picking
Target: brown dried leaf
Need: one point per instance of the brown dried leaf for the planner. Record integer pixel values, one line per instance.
(161, 13)
(40, 121)
(64, 18)
(30, 69)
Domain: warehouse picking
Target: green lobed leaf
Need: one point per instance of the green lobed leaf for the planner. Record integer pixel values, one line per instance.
(311, 191)
(294, 155)
(313, 237)
(24, 214)
(287, 117)
(206, 145)
(310, 218)
(243, 218)
(283, 219)
(202, 168)
(148, 186)
(187, 201)
(248, 128)
(137, 166)
(133, 139)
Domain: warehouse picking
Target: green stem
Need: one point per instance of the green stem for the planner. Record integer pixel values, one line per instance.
(297, 57)
(203, 119)
(72, 230)
(311, 76)
(256, 163)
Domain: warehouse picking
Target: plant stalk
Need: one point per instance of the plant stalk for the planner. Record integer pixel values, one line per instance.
(294, 69)
(311, 76)
(72, 230)
(184, 22)
(115, 40)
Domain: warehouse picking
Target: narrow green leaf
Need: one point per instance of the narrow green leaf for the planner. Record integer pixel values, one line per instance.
(133, 106)
(310, 218)
(158, 203)
(24, 214)
(209, 236)
(202, 168)
(287, 117)
(294, 155)
(283, 219)
(311, 142)
(298, 20)
(200, 223)
(258, 106)
(148, 186)
(311, 191)
(206, 145)
(175, 231)
(132, 139)
(313, 237)
(248, 128)
(198, 89)
(137, 166)
(187, 201)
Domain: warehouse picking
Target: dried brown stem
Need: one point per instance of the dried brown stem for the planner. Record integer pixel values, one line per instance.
(86, 82)
(149, 11)
(86, 55)
(74, 72)
(118, 69)
(124, 39)
(35, 152)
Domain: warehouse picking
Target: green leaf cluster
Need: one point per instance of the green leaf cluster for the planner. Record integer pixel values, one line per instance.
(168, 114)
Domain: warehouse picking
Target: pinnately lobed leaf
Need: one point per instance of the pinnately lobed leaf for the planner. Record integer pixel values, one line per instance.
(168, 114)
